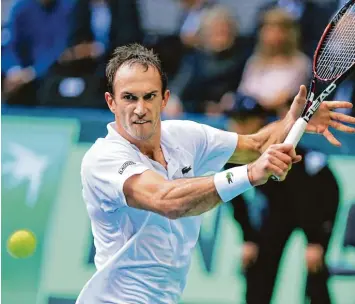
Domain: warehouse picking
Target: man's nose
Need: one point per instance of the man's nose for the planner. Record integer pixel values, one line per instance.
(140, 109)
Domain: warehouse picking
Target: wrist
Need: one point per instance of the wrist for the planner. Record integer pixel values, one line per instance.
(232, 182)
(250, 174)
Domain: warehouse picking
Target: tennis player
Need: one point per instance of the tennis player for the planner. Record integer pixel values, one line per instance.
(144, 184)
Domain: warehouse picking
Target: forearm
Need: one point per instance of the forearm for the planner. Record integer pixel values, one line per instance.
(250, 147)
(189, 197)
(186, 196)
(171, 198)
(273, 133)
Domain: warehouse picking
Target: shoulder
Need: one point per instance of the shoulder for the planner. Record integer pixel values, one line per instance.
(190, 134)
(105, 151)
(182, 129)
(178, 125)
(183, 133)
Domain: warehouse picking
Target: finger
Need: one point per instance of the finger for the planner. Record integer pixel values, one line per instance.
(275, 170)
(297, 159)
(302, 94)
(330, 137)
(287, 159)
(292, 152)
(341, 127)
(301, 97)
(279, 163)
(338, 104)
(342, 117)
(289, 149)
(282, 147)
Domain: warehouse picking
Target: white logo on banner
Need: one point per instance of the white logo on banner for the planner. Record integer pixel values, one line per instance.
(25, 166)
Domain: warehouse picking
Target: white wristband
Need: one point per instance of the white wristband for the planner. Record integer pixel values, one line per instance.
(232, 182)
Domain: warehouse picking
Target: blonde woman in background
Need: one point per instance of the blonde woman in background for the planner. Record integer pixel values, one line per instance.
(214, 66)
(277, 68)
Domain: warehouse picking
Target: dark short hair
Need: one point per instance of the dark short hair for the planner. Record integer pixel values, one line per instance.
(132, 54)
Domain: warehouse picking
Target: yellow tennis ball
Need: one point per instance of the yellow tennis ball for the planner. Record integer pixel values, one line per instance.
(21, 244)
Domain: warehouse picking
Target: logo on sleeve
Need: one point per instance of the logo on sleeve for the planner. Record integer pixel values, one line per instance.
(125, 165)
(186, 169)
(229, 176)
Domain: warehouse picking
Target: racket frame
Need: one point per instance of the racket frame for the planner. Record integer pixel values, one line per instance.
(312, 104)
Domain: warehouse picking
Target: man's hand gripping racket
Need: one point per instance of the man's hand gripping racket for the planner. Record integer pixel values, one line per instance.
(333, 61)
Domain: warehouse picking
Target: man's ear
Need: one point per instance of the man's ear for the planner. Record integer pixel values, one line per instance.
(165, 99)
(110, 102)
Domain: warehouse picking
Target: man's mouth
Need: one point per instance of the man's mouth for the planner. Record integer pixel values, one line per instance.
(141, 122)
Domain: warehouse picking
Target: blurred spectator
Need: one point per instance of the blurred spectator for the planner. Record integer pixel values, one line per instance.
(215, 66)
(304, 12)
(277, 68)
(308, 200)
(194, 10)
(32, 41)
(98, 27)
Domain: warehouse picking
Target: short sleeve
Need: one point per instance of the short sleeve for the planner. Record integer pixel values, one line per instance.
(213, 147)
(104, 174)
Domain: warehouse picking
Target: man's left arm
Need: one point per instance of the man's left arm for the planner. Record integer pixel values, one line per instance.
(250, 147)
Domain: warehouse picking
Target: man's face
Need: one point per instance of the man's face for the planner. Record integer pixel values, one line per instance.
(137, 102)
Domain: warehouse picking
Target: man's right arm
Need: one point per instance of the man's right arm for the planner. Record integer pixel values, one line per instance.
(173, 199)
(194, 196)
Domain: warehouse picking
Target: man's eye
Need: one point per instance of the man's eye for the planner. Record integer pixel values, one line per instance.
(149, 96)
(129, 97)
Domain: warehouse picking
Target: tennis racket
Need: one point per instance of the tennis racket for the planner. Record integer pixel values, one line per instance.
(333, 61)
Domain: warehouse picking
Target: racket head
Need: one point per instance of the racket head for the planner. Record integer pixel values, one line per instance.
(335, 53)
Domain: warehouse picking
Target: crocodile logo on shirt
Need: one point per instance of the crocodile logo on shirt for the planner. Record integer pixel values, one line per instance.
(229, 176)
(186, 169)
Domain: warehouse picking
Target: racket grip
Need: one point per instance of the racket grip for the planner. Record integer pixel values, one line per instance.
(294, 136)
(296, 132)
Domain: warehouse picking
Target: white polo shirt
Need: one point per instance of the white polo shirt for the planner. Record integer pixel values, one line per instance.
(143, 257)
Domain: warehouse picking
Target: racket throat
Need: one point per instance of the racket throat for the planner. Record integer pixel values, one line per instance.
(313, 105)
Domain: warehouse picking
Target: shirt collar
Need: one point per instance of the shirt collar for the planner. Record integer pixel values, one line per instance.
(113, 134)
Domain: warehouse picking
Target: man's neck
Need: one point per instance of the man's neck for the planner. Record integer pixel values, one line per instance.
(149, 147)
(152, 148)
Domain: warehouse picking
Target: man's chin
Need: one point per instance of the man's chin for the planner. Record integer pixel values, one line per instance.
(141, 136)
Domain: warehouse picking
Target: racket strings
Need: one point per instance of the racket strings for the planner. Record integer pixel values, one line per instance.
(337, 52)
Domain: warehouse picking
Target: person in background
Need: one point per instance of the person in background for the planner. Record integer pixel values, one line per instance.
(98, 26)
(215, 66)
(193, 12)
(303, 12)
(277, 68)
(32, 42)
(268, 219)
